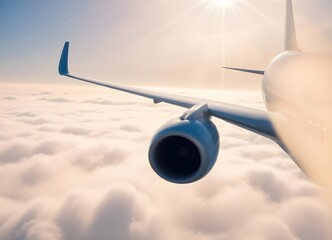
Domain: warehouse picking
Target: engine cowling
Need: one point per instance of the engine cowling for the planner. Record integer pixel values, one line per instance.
(184, 151)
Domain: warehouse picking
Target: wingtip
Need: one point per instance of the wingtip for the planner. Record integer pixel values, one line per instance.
(63, 64)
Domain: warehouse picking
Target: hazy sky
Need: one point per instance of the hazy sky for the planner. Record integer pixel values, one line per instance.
(182, 42)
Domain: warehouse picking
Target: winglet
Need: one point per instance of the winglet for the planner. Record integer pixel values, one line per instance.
(290, 33)
(63, 64)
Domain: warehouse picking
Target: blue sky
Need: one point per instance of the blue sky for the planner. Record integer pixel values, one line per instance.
(152, 42)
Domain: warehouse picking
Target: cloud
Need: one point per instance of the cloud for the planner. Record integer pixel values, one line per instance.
(35, 121)
(118, 214)
(80, 171)
(130, 128)
(19, 225)
(27, 114)
(14, 153)
(307, 218)
(58, 99)
(92, 157)
(266, 227)
(99, 101)
(271, 183)
(39, 230)
(20, 150)
(43, 93)
(74, 216)
(75, 130)
(9, 98)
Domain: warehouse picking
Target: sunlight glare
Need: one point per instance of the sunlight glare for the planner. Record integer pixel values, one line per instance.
(222, 3)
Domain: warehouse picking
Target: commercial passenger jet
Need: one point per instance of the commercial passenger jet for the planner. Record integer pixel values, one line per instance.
(296, 89)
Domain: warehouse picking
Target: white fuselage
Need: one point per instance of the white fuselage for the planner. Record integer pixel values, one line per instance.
(298, 88)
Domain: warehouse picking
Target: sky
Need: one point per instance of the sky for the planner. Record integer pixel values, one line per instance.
(157, 43)
(74, 166)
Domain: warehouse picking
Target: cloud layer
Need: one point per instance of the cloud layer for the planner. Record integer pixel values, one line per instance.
(73, 162)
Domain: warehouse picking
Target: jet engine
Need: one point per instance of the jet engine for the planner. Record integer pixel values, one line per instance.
(185, 149)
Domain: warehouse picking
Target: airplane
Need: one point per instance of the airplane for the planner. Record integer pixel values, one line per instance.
(296, 89)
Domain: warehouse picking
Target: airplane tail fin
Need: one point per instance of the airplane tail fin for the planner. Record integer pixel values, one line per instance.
(290, 33)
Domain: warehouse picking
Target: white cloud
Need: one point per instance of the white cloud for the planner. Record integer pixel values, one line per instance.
(83, 173)
(39, 230)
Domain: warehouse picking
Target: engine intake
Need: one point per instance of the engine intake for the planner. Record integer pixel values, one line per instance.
(184, 151)
(178, 157)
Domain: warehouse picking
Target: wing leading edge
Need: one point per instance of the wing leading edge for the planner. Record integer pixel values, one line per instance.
(257, 121)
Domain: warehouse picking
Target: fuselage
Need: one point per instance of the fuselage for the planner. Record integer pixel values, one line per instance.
(297, 88)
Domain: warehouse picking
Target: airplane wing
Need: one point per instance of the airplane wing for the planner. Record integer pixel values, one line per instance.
(257, 121)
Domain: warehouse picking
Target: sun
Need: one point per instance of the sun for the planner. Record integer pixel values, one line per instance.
(222, 3)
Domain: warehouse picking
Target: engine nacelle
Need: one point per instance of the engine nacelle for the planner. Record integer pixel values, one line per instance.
(184, 151)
